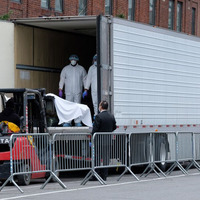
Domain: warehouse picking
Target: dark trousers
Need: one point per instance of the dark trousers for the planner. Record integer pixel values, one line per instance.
(102, 155)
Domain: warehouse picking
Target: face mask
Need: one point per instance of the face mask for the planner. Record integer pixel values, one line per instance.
(73, 62)
(95, 63)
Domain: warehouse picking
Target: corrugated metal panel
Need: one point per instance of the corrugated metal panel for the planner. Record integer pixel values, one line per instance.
(156, 76)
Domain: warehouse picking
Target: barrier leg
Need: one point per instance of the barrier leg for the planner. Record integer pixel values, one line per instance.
(5, 183)
(181, 168)
(128, 169)
(11, 180)
(152, 167)
(159, 170)
(172, 167)
(17, 186)
(95, 174)
(196, 164)
(57, 179)
(193, 163)
(146, 169)
(176, 164)
(88, 176)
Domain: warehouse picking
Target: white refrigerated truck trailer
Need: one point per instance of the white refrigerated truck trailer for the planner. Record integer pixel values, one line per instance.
(149, 75)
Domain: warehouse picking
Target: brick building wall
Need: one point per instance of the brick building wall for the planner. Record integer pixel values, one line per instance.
(32, 8)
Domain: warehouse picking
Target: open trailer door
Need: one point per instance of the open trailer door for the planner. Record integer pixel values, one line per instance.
(104, 59)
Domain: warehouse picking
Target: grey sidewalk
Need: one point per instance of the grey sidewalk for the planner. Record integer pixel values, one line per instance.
(174, 187)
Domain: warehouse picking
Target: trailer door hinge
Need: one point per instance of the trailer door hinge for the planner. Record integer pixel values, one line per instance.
(105, 66)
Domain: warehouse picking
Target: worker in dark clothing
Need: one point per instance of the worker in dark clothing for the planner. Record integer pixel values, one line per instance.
(8, 114)
(104, 122)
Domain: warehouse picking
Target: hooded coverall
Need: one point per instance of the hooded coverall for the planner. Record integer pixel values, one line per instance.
(73, 77)
(92, 80)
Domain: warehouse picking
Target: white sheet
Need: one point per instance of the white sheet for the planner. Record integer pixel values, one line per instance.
(68, 111)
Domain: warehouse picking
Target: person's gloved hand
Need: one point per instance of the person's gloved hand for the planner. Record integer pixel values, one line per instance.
(90, 144)
(60, 93)
(84, 94)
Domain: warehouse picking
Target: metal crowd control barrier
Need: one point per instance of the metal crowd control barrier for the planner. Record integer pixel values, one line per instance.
(195, 152)
(108, 150)
(142, 152)
(182, 153)
(30, 154)
(196, 148)
(138, 151)
(71, 151)
(163, 150)
(157, 148)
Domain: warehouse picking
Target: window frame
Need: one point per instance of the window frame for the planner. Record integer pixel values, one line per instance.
(131, 10)
(152, 15)
(179, 16)
(17, 1)
(171, 14)
(82, 11)
(193, 25)
(109, 11)
(47, 5)
(61, 6)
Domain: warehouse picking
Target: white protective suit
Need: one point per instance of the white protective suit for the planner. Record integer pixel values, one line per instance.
(73, 77)
(92, 80)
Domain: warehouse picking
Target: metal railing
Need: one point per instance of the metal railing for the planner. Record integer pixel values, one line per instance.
(195, 152)
(30, 154)
(109, 150)
(42, 155)
(71, 151)
(179, 153)
(143, 150)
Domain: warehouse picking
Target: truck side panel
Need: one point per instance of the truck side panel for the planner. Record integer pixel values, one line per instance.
(156, 75)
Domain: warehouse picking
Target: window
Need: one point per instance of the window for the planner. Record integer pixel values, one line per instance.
(179, 16)
(131, 9)
(19, 1)
(59, 5)
(108, 7)
(171, 15)
(45, 4)
(193, 21)
(152, 11)
(82, 9)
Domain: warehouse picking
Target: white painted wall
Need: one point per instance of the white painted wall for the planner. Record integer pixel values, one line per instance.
(6, 54)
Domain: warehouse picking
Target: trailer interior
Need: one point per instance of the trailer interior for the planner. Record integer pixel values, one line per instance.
(43, 46)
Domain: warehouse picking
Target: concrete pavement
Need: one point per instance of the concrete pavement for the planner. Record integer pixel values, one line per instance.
(175, 187)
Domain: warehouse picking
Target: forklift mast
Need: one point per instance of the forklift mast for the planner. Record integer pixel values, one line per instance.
(29, 105)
